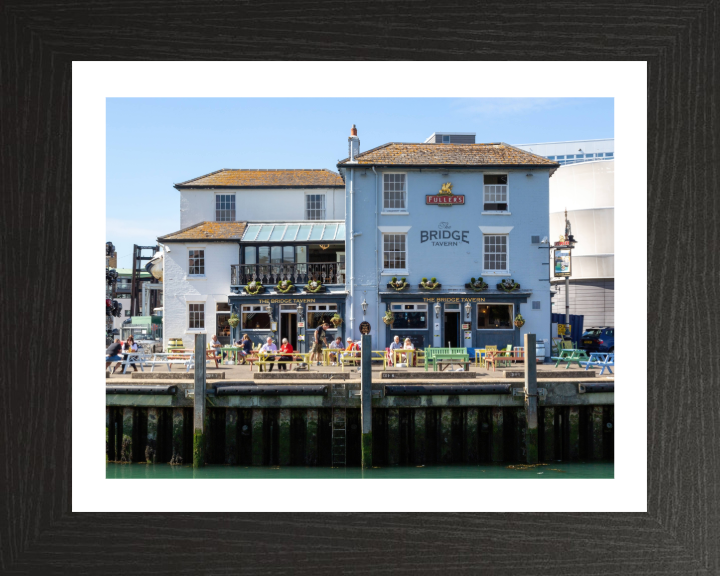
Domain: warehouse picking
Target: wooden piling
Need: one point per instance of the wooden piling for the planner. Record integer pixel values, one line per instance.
(109, 437)
(199, 403)
(497, 434)
(231, 448)
(393, 436)
(419, 436)
(521, 437)
(472, 452)
(366, 401)
(128, 421)
(446, 435)
(178, 427)
(258, 452)
(284, 437)
(548, 432)
(597, 432)
(311, 439)
(574, 432)
(152, 434)
(530, 417)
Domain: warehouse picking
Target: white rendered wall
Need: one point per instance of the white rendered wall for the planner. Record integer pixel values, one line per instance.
(180, 290)
(259, 204)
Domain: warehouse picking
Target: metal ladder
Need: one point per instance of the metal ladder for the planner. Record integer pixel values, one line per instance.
(339, 426)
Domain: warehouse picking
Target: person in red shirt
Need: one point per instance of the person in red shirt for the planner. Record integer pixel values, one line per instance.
(286, 354)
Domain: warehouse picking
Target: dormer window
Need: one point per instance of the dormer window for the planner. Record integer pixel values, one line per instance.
(446, 139)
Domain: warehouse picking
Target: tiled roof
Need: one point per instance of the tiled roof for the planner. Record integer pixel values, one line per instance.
(265, 179)
(207, 231)
(497, 154)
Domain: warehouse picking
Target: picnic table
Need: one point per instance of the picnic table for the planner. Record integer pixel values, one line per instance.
(227, 352)
(398, 354)
(571, 355)
(264, 358)
(602, 360)
(444, 363)
(142, 359)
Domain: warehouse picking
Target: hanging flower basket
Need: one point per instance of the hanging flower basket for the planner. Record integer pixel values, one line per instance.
(477, 285)
(254, 288)
(314, 286)
(432, 284)
(336, 320)
(519, 321)
(508, 285)
(389, 318)
(234, 320)
(398, 285)
(285, 286)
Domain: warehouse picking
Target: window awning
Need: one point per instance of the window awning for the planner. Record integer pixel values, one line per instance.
(295, 232)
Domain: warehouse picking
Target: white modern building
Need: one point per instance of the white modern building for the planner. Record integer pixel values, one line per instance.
(584, 186)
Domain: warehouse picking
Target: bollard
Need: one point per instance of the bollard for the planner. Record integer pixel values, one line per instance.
(366, 397)
(199, 403)
(531, 400)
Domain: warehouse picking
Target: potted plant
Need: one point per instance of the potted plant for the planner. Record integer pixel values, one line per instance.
(234, 320)
(477, 285)
(398, 285)
(519, 321)
(389, 318)
(314, 286)
(336, 320)
(285, 286)
(430, 285)
(254, 287)
(508, 285)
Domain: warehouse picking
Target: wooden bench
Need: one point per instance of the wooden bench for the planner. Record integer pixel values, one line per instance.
(571, 355)
(432, 355)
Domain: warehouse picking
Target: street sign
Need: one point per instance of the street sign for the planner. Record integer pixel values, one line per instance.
(365, 327)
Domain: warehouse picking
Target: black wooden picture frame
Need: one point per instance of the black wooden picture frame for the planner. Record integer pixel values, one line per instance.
(680, 533)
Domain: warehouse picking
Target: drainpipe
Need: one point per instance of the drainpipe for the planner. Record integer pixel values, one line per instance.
(377, 266)
(352, 256)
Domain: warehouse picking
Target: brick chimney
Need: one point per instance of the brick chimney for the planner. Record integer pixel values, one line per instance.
(353, 144)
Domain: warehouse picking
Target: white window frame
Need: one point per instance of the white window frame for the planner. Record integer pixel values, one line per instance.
(512, 317)
(507, 255)
(395, 211)
(389, 231)
(442, 138)
(204, 317)
(234, 219)
(195, 248)
(507, 194)
(248, 308)
(417, 307)
(324, 206)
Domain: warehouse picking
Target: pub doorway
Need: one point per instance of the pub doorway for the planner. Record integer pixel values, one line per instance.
(452, 326)
(288, 325)
(222, 325)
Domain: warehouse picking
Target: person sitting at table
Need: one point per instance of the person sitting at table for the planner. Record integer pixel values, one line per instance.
(268, 348)
(335, 345)
(246, 345)
(112, 354)
(351, 346)
(128, 348)
(286, 349)
(215, 344)
(409, 346)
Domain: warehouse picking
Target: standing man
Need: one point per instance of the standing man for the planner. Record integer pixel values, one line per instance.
(320, 340)
(269, 348)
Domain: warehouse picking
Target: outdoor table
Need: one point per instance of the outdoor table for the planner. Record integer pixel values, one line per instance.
(398, 353)
(479, 356)
(326, 355)
(604, 360)
(231, 351)
(444, 363)
(571, 355)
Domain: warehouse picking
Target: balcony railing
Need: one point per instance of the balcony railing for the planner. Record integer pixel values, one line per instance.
(298, 274)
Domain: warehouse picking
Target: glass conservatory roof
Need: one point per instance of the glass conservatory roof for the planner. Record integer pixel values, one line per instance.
(295, 232)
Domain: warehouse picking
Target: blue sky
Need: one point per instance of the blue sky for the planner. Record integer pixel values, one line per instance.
(153, 143)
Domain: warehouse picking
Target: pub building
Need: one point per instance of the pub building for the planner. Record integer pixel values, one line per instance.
(452, 213)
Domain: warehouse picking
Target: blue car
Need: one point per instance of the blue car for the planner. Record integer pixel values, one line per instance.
(598, 340)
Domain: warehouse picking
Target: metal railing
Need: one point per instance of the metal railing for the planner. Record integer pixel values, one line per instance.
(325, 272)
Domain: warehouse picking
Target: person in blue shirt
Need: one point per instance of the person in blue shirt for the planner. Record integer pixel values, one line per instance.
(268, 348)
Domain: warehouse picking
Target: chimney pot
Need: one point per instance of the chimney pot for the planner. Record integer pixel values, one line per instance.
(353, 131)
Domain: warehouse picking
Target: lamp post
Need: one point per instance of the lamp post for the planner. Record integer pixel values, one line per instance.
(437, 309)
(468, 308)
(299, 311)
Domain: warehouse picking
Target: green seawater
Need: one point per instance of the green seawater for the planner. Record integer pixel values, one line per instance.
(510, 471)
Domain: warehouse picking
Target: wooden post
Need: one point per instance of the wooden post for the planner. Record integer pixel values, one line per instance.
(127, 433)
(531, 400)
(446, 435)
(497, 434)
(257, 437)
(472, 453)
(549, 434)
(284, 437)
(597, 432)
(366, 397)
(574, 432)
(393, 436)
(420, 429)
(152, 430)
(199, 403)
(311, 437)
(231, 447)
(177, 436)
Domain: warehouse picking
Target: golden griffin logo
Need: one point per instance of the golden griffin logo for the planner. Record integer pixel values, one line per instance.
(446, 189)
